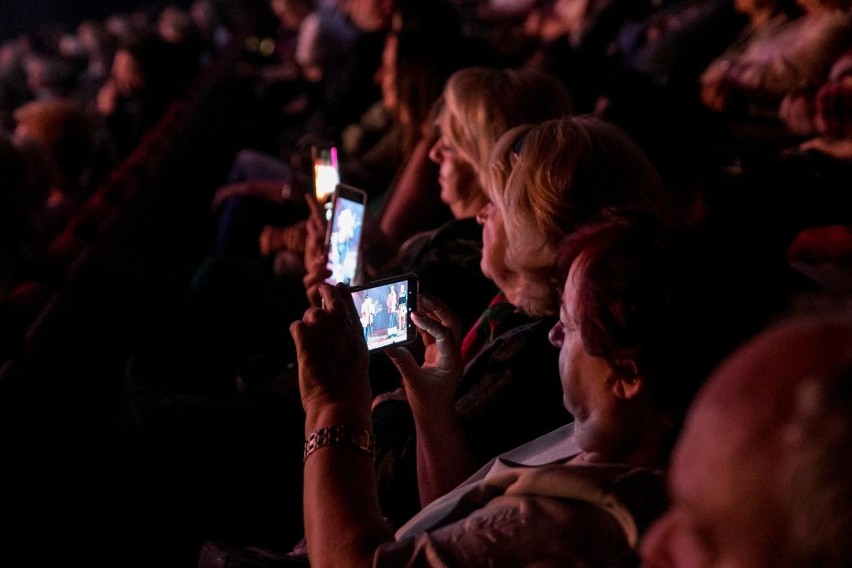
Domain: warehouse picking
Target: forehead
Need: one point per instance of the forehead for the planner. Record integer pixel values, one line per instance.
(571, 289)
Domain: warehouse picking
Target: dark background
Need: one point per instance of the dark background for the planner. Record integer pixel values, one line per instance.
(23, 16)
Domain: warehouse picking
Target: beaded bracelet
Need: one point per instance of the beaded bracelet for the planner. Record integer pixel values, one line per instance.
(339, 435)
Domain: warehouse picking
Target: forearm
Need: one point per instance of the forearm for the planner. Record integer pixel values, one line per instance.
(343, 521)
(444, 458)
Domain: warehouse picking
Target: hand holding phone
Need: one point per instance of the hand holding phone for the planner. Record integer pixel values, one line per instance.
(433, 381)
(385, 308)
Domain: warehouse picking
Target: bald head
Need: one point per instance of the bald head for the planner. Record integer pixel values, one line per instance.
(750, 462)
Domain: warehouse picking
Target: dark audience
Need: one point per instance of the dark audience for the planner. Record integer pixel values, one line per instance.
(145, 359)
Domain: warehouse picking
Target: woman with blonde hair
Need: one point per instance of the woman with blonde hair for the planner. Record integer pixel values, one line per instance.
(544, 182)
(547, 179)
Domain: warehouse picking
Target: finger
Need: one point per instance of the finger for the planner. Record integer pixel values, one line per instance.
(318, 273)
(312, 293)
(330, 299)
(338, 304)
(314, 316)
(352, 311)
(297, 332)
(317, 213)
(440, 332)
(403, 360)
(442, 311)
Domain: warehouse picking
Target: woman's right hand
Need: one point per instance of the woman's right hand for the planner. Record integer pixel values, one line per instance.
(436, 381)
(333, 359)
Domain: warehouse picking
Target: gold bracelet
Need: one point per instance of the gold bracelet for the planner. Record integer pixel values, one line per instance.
(339, 435)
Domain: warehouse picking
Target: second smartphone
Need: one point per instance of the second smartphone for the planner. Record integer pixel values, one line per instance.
(343, 237)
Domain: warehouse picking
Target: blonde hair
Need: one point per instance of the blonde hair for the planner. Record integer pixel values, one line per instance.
(481, 104)
(551, 178)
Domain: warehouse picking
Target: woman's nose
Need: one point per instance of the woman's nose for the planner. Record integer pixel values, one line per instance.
(435, 151)
(556, 334)
(483, 213)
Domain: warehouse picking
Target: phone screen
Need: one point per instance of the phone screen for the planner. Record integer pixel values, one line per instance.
(326, 172)
(343, 239)
(385, 310)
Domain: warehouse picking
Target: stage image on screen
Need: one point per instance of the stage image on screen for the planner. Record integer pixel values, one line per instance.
(384, 314)
(346, 225)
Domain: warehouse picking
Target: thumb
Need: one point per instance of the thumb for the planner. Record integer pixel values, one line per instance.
(404, 361)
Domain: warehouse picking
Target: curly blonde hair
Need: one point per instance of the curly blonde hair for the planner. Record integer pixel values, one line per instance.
(549, 179)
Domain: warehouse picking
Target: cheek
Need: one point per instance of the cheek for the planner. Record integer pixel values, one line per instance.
(493, 242)
(459, 178)
(569, 372)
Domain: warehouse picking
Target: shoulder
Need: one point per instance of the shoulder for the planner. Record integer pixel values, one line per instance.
(576, 511)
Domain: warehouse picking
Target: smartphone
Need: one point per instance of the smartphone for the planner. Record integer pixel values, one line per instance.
(385, 308)
(343, 236)
(326, 172)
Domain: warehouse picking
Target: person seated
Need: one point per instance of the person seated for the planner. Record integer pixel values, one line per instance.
(765, 20)
(629, 362)
(820, 112)
(758, 474)
(754, 81)
(64, 135)
(135, 96)
(508, 343)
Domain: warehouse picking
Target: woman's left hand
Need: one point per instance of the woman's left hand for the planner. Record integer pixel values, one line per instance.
(436, 381)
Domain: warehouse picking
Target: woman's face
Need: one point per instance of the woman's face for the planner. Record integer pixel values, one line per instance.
(494, 246)
(586, 379)
(460, 189)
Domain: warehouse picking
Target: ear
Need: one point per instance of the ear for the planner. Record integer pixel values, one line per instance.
(628, 382)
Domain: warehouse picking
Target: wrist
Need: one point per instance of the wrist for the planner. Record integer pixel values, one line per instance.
(320, 414)
(344, 436)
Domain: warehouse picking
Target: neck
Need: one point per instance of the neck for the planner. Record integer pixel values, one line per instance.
(650, 446)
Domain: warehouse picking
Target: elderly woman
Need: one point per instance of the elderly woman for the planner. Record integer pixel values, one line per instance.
(632, 305)
(545, 181)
